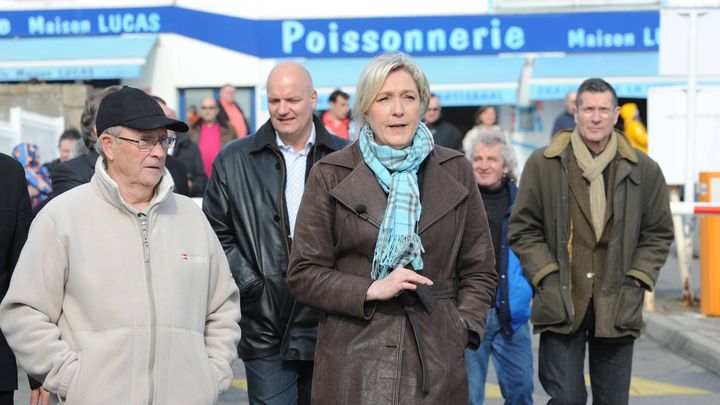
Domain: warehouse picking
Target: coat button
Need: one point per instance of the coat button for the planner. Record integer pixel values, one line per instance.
(590, 275)
(276, 218)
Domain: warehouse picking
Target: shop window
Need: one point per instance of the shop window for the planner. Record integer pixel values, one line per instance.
(194, 97)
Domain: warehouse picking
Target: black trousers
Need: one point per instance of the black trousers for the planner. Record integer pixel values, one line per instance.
(561, 366)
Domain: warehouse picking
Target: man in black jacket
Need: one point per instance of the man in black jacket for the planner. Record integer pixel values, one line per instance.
(15, 217)
(251, 202)
(185, 155)
(444, 133)
(66, 145)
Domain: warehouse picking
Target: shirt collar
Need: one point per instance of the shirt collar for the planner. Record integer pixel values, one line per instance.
(289, 148)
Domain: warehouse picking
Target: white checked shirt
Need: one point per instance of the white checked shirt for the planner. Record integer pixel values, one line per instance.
(295, 164)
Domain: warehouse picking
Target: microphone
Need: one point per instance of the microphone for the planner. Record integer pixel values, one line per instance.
(360, 209)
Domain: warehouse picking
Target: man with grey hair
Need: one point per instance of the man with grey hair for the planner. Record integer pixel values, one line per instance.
(131, 288)
(507, 337)
(252, 201)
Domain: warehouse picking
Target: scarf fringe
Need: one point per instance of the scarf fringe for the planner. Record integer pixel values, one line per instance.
(396, 251)
(396, 171)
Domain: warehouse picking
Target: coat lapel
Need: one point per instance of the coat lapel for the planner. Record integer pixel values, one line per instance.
(440, 194)
(361, 187)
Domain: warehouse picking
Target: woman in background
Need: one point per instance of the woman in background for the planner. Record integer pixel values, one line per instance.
(486, 122)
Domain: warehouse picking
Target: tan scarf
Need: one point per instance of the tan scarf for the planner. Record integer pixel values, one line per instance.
(592, 171)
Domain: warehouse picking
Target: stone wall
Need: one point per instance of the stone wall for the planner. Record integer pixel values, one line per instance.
(66, 100)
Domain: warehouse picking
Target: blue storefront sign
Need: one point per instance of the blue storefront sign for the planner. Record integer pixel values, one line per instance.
(630, 31)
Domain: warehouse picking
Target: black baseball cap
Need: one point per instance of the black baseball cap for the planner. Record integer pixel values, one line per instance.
(133, 108)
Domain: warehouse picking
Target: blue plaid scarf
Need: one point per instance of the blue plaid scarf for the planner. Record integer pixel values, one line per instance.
(396, 170)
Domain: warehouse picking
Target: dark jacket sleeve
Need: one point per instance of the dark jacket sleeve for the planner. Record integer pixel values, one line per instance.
(218, 210)
(475, 271)
(457, 138)
(179, 175)
(197, 173)
(563, 121)
(22, 221)
(65, 178)
(312, 277)
(656, 228)
(526, 229)
(14, 231)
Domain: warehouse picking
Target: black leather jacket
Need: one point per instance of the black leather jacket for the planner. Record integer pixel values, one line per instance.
(245, 204)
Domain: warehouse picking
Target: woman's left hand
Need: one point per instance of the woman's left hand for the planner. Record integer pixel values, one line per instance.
(398, 280)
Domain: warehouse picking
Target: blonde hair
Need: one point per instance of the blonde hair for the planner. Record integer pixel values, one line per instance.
(373, 77)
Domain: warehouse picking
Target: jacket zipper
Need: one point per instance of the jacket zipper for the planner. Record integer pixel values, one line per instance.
(151, 298)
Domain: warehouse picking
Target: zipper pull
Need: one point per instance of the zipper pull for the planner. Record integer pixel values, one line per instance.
(146, 242)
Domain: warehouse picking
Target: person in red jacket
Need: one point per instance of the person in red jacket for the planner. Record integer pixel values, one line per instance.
(336, 119)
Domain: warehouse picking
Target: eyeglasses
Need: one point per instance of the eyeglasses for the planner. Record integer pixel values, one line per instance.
(205, 107)
(145, 144)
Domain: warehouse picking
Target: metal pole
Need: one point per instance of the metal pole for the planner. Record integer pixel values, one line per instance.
(689, 190)
(683, 249)
(684, 226)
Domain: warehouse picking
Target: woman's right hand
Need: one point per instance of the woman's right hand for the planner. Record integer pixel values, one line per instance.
(398, 280)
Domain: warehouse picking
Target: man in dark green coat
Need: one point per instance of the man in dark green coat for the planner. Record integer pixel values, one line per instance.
(592, 228)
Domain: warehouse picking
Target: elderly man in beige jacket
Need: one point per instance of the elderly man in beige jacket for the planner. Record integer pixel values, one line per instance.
(122, 293)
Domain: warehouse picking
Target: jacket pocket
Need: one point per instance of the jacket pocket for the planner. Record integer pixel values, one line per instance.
(213, 383)
(71, 395)
(547, 305)
(629, 309)
(462, 334)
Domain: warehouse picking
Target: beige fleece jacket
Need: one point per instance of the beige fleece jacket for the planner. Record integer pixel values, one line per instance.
(109, 306)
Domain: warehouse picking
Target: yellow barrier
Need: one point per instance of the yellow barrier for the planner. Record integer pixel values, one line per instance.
(710, 247)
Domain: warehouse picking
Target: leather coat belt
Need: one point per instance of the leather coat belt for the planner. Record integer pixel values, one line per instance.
(427, 297)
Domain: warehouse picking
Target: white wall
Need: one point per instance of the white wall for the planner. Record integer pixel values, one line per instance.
(181, 62)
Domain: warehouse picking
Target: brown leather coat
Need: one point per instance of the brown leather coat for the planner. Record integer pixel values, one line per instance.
(391, 352)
